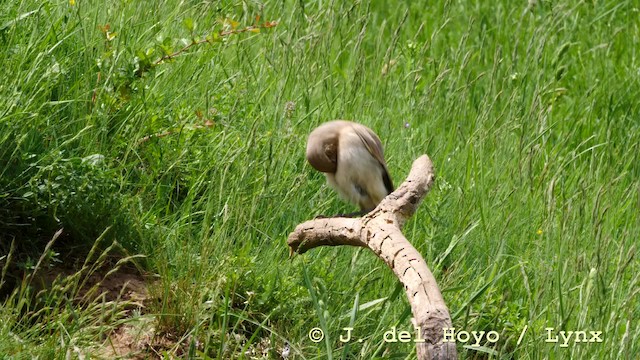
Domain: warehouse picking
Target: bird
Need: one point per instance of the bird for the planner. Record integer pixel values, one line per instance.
(352, 159)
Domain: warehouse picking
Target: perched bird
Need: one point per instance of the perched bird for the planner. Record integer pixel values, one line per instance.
(351, 157)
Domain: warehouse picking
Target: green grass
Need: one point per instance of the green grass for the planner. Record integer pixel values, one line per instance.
(530, 114)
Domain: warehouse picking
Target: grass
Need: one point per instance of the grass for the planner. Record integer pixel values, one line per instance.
(529, 112)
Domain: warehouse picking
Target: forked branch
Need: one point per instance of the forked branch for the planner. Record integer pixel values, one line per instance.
(380, 231)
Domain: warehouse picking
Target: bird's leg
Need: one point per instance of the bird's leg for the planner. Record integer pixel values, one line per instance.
(349, 215)
(353, 214)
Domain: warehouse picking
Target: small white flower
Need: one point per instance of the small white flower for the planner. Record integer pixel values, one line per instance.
(286, 350)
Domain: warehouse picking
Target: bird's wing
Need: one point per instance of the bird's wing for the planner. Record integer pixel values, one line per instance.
(371, 142)
(374, 146)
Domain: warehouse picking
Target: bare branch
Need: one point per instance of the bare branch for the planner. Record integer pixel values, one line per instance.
(379, 231)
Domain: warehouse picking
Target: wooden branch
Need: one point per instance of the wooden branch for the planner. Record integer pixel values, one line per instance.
(379, 231)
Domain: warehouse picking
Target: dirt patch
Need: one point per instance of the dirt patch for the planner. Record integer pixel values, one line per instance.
(130, 341)
(123, 284)
(136, 338)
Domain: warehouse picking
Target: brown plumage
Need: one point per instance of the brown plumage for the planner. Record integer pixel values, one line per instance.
(352, 158)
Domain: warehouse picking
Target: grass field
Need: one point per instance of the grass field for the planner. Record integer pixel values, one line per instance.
(167, 138)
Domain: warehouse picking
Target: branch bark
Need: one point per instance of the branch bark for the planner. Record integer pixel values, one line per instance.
(379, 231)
